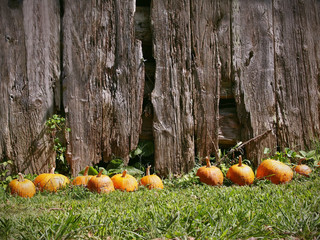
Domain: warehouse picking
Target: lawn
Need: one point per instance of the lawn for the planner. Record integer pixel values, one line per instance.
(185, 209)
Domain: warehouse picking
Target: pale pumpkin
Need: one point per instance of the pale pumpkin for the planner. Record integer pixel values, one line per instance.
(82, 180)
(51, 181)
(210, 175)
(100, 183)
(277, 172)
(302, 169)
(124, 182)
(240, 173)
(22, 187)
(151, 181)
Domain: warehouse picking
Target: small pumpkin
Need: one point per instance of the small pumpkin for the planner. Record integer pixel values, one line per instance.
(22, 187)
(240, 174)
(82, 180)
(210, 175)
(124, 182)
(100, 183)
(51, 181)
(277, 172)
(151, 181)
(302, 169)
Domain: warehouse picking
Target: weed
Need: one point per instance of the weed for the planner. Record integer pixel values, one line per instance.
(57, 127)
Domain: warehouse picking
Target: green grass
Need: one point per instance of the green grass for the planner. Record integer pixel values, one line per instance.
(262, 211)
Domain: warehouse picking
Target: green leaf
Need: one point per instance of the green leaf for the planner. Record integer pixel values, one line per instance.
(137, 151)
(147, 148)
(115, 164)
(266, 151)
(303, 153)
(311, 154)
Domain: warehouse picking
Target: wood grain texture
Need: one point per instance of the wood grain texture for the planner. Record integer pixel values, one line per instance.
(206, 17)
(297, 56)
(29, 70)
(172, 95)
(253, 69)
(103, 81)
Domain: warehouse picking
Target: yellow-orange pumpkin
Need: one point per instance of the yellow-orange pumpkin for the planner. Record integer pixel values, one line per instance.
(240, 174)
(277, 172)
(302, 169)
(82, 180)
(22, 187)
(151, 181)
(51, 181)
(125, 182)
(210, 175)
(100, 183)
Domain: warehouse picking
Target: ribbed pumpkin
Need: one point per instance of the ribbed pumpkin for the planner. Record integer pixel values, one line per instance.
(124, 182)
(51, 181)
(82, 180)
(100, 183)
(302, 169)
(240, 174)
(210, 175)
(277, 172)
(151, 181)
(22, 187)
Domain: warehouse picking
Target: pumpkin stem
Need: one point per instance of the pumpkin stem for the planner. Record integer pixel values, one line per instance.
(124, 173)
(240, 161)
(52, 170)
(148, 170)
(100, 173)
(86, 171)
(20, 177)
(302, 159)
(208, 162)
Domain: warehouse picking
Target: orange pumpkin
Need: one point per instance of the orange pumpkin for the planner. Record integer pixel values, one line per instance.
(22, 187)
(100, 183)
(82, 180)
(210, 175)
(125, 182)
(240, 174)
(302, 169)
(151, 181)
(277, 172)
(51, 181)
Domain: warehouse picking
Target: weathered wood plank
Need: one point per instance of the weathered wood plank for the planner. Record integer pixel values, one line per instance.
(103, 82)
(206, 18)
(297, 67)
(172, 95)
(253, 66)
(29, 69)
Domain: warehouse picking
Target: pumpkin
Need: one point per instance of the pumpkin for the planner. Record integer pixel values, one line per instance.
(277, 172)
(100, 183)
(302, 169)
(51, 181)
(240, 174)
(22, 187)
(210, 175)
(124, 182)
(151, 181)
(82, 180)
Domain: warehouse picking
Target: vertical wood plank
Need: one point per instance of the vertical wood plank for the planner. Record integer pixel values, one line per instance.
(297, 55)
(172, 95)
(253, 69)
(209, 24)
(102, 85)
(29, 71)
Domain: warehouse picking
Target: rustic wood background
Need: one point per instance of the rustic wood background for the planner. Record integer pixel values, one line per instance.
(192, 76)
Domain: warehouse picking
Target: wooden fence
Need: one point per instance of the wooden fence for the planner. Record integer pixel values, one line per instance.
(190, 75)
